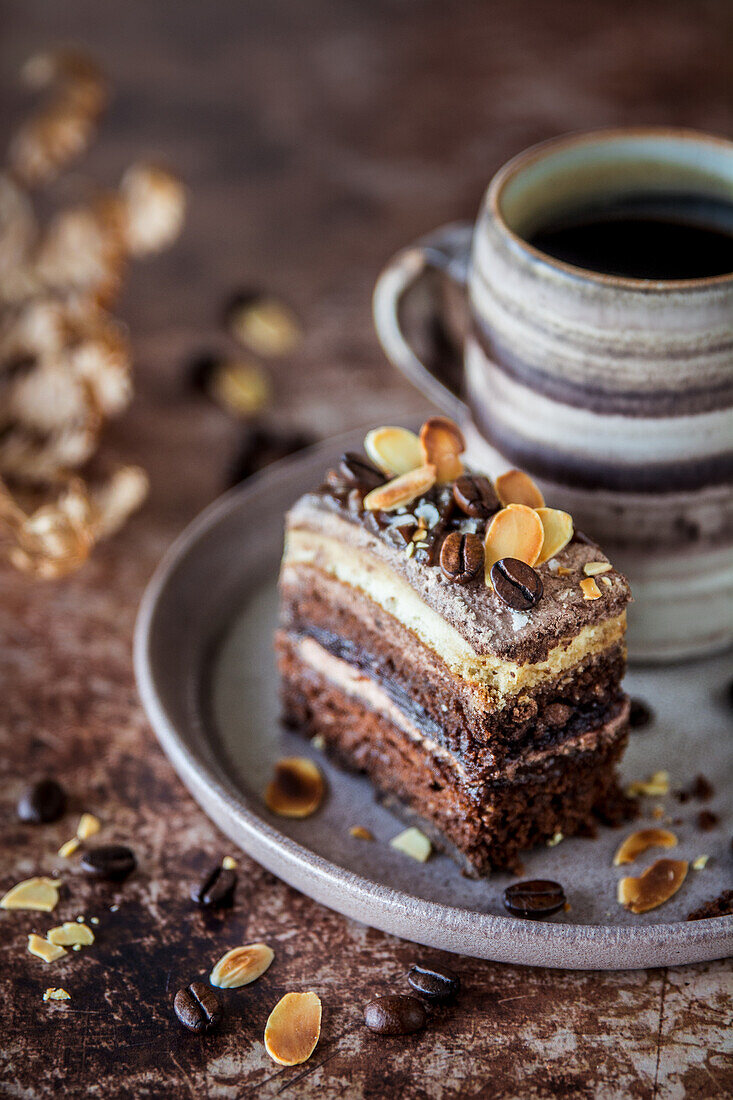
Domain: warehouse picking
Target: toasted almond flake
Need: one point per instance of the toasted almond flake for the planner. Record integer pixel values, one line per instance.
(607, 581)
(54, 994)
(89, 825)
(409, 549)
(654, 886)
(43, 949)
(401, 490)
(297, 789)
(70, 933)
(360, 833)
(413, 843)
(591, 591)
(266, 325)
(640, 841)
(700, 863)
(656, 784)
(395, 451)
(293, 1028)
(66, 850)
(241, 966)
(595, 568)
(563, 571)
(39, 894)
(514, 532)
(229, 864)
(557, 530)
(516, 487)
(241, 388)
(442, 442)
(554, 840)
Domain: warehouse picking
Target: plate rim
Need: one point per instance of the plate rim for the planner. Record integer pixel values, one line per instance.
(504, 938)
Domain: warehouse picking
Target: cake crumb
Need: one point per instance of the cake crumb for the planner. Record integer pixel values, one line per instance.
(413, 843)
(54, 994)
(360, 833)
(658, 783)
(42, 949)
(229, 863)
(700, 863)
(318, 741)
(555, 840)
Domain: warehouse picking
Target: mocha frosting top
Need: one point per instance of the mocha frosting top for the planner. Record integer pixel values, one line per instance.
(486, 623)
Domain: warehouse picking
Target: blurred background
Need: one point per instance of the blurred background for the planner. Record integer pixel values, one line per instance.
(316, 139)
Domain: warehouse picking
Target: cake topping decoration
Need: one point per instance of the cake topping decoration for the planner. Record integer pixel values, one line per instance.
(297, 789)
(652, 888)
(434, 985)
(413, 492)
(462, 557)
(640, 841)
(241, 966)
(558, 531)
(516, 583)
(293, 1028)
(442, 443)
(357, 470)
(516, 487)
(514, 532)
(401, 490)
(475, 496)
(591, 591)
(534, 899)
(394, 450)
(197, 1007)
(413, 843)
(395, 1014)
(595, 568)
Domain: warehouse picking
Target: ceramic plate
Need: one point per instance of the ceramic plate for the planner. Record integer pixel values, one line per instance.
(206, 675)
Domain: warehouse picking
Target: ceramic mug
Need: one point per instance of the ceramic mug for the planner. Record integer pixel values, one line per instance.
(615, 393)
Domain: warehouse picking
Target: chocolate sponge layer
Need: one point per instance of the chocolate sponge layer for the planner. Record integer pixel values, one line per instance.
(489, 823)
(483, 731)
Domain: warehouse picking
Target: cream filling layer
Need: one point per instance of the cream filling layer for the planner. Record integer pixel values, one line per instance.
(358, 568)
(358, 686)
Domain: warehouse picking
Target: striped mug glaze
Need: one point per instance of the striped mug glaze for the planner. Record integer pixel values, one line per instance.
(616, 394)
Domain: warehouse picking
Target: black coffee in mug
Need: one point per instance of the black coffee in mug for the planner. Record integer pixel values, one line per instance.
(654, 236)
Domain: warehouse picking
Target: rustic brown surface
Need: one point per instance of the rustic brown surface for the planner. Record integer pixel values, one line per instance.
(315, 138)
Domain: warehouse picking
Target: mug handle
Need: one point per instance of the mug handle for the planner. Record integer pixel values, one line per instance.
(447, 250)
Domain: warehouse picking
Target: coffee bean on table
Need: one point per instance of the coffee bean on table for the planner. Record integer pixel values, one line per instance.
(640, 714)
(110, 861)
(462, 557)
(215, 889)
(197, 1007)
(516, 583)
(475, 496)
(358, 470)
(534, 899)
(42, 803)
(396, 1014)
(434, 984)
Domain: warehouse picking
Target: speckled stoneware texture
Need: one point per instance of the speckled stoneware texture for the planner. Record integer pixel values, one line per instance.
(206, 675)
(615, 393)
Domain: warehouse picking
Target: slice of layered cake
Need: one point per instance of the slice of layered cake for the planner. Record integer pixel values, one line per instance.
(458, 642)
